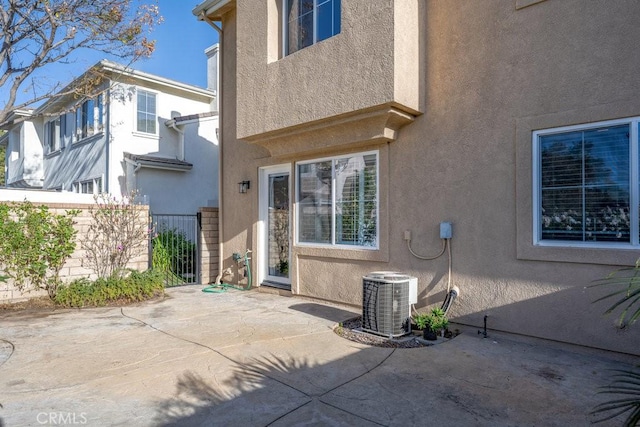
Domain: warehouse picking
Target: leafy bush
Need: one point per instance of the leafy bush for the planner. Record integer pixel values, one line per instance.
(117, 234)
(136, 286)
(174, 254)
(34, 245)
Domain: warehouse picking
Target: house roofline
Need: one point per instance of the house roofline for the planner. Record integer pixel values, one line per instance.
(110, 67)
(192, 118)
(114, 67)
(214, 9)
(154, 162)
(16, 116)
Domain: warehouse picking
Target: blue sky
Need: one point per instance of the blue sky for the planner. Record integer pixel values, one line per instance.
(180, 43)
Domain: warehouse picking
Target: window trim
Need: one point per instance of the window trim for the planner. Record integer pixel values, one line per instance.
(53, 141)
(285, 27)
(97, 183)
(82, 119)
(634, 193)
(334, 245)
(155, 114)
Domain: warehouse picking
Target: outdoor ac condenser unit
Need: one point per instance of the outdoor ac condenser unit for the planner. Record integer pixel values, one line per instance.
(386, 306)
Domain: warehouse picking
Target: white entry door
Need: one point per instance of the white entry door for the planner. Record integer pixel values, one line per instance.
(275, 218)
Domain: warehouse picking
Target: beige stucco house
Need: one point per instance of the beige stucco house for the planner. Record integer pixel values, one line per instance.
(362, 125)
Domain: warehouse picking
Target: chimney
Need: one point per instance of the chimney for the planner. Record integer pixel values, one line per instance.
(212, 67)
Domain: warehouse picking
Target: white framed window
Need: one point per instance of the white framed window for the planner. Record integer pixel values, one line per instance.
(146, 112)
(306, 22)
(337, 201)
(89, 118)
(586, 185)
(89, 186)
(52, 130)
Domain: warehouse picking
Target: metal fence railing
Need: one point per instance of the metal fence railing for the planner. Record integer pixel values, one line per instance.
(174, 248)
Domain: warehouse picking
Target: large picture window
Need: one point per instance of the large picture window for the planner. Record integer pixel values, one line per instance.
(337, 201)
(309, 21)
(586, 185)
(146, 112)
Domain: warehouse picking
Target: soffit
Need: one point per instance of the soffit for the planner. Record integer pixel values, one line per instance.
(353, 130)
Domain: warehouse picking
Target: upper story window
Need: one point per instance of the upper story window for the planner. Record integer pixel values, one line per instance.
(53, 135)
(146, 112)
(89, 118)
(586, 185)
(338, 201)
(309, 21)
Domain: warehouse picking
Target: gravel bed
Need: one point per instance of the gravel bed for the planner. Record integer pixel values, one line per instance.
(352, 330)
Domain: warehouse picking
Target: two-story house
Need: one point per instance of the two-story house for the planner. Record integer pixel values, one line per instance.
(140, 132)
(367, 123)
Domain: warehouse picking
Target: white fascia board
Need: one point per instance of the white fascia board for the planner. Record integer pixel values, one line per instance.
(140, 75)
(15, 117)
(209, 7)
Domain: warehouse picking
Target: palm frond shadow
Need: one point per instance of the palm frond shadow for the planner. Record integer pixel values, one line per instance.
(623, 287)
(626, 385)
(197, 397)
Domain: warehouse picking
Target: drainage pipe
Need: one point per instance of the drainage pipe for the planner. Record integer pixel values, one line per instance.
(219, 91)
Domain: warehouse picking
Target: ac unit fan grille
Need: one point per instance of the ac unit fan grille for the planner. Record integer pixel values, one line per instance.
(385, 307)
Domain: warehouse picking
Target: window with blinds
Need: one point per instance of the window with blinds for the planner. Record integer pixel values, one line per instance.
(337, 201)
(586, 181)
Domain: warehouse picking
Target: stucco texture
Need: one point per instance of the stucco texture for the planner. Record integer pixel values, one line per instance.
(488, 75)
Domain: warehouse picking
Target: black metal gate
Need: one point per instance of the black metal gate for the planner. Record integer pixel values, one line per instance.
(174, 248)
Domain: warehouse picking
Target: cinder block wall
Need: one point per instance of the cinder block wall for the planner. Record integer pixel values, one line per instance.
(74, 268)
(209, 244)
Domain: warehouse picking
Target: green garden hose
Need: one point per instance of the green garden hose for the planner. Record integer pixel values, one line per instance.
(218, 288)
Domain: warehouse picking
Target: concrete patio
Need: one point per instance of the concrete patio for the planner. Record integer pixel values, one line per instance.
(256, 359)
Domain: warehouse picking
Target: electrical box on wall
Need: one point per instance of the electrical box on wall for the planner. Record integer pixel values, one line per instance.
(445, 230)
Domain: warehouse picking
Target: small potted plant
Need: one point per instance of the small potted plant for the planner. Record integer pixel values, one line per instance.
(421, 321)
(436, 321)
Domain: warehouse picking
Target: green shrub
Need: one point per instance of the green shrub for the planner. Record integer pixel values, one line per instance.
(174, 255)
(134, 287)
(180, 251)
(34, 245)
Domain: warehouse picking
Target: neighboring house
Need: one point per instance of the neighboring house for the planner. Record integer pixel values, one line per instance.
(362, 122)
(141, 132)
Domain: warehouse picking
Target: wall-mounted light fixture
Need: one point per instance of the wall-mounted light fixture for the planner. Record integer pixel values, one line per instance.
(243, 186)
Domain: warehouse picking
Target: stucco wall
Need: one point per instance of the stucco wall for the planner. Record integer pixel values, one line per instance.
(493, 74)
(183, 192)
(124, 137)
(24, 155)
(361, 67)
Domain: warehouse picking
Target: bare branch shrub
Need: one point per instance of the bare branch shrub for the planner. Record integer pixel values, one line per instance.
(119, 232)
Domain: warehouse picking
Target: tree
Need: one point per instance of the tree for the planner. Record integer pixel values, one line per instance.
(34, 34)
(2, 161)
